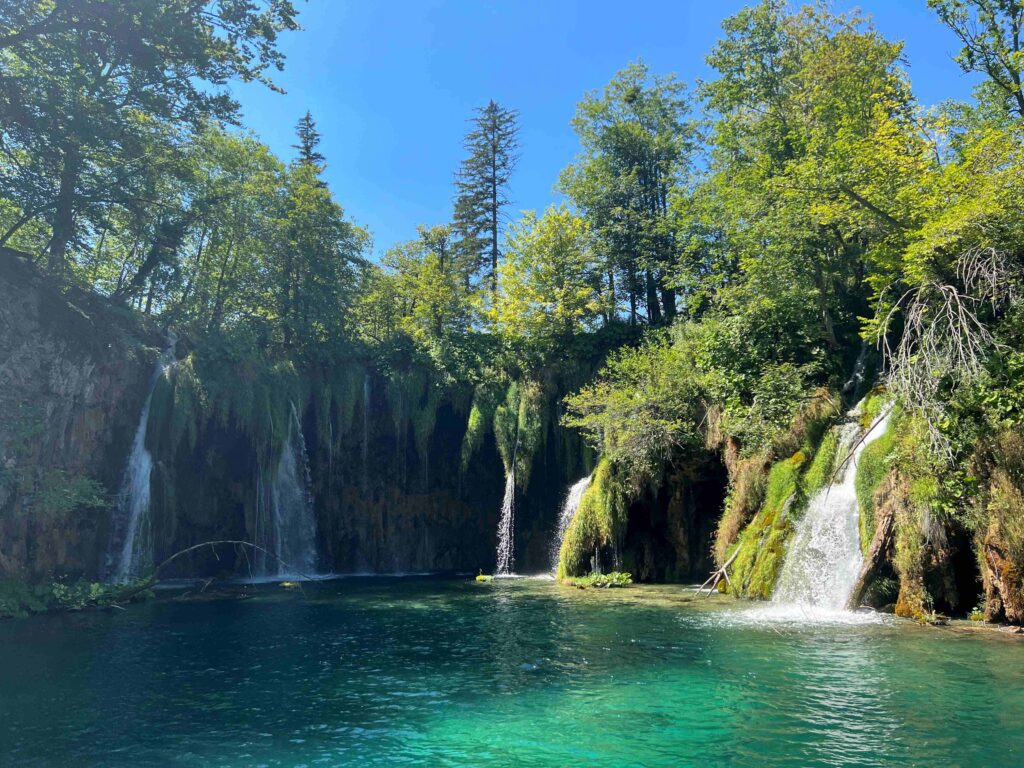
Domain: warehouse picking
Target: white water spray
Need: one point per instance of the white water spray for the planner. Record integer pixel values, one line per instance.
(569, 507)
(824, 557)
(285, 520)
(130, 548)
(506, 527)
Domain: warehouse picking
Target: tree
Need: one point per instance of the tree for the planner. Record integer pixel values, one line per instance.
(816, 165)
(482, 189)
(309, 141)
(548, 286)
(992, 33)
(94, 93)
(636, 142)
(433, 303)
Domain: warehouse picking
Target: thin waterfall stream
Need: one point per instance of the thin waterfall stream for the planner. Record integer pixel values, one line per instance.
(506, 527)
(824, 556)
(130, 547)
(569, 507)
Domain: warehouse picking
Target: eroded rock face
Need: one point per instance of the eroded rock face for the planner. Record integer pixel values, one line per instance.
(73, 374)
(1002, 545)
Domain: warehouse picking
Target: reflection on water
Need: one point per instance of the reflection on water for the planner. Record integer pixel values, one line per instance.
(526, 672)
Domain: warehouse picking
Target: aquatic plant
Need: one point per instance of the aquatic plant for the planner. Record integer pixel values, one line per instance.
(602, 580)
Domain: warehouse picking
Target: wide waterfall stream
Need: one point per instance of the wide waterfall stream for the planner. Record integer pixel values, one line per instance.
(130, 548)
(824, 557)
(285, 526)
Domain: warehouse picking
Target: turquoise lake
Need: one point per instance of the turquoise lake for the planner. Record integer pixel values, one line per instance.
(449, 672)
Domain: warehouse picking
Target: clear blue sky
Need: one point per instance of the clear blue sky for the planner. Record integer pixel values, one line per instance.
(391, 85)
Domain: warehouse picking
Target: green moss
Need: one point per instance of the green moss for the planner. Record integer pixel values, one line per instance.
(480, 420)
(820, 472)
(506, 425)
(248, 392)
(762, 544)
(599, 521)
(872, 467)
(790, 483)
(872, 406)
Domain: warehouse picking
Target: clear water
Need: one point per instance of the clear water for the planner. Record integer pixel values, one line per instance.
(428, 672)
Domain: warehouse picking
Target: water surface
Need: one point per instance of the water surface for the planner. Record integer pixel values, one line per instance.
(445, 672)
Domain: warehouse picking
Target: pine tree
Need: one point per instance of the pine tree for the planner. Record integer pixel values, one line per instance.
(481, 185)
(309, 140)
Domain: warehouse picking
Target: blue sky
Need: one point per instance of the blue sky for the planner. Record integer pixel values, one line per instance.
(391, 85)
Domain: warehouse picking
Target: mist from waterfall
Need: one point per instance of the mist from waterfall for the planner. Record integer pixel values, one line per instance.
(824, 557)
(285, 523)
(506, 527)
(569, 507)
(130, 546)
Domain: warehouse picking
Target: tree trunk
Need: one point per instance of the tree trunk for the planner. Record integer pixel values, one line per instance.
(881, 546)
(653, 307)
(668, 300)
(64, 213)
(494, 216)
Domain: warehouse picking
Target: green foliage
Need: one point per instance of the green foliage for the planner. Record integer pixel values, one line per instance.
(602, 580)
(18, 599)
(549, 282)
(90, 99)
(644, 405)
(636, 138)
(59, 492)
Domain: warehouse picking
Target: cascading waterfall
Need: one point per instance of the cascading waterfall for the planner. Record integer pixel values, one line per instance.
(506, 527)
(569, 507)
(130, 548)
(285, 520)
(824, 557)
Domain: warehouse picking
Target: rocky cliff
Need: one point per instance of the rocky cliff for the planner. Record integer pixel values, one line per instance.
(73, 373)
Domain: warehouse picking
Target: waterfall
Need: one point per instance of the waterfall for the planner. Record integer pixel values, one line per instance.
(506, 527)
(130, 547)
(366, 425)
(824, 557)
(569, 507)
(285, 521)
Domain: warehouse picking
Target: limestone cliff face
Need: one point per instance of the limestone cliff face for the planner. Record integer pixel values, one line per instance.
(73, 373)
(381, 506)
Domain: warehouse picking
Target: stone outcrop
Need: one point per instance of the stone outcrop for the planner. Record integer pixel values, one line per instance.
(73, 373)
